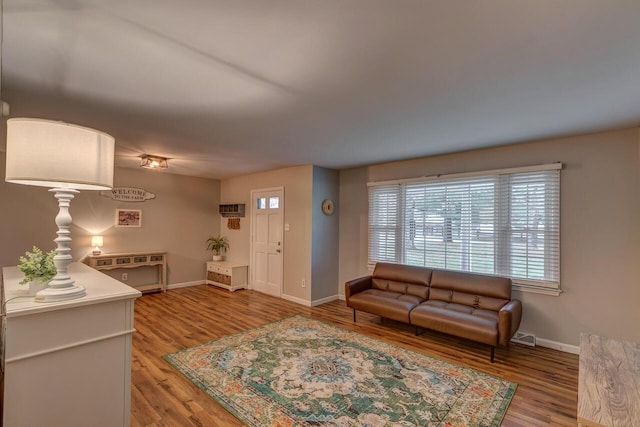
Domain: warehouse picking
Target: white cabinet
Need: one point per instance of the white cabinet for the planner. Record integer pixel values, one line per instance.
(228, 275)
(68, 363)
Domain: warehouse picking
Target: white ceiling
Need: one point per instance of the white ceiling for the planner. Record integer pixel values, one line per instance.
(229, 87)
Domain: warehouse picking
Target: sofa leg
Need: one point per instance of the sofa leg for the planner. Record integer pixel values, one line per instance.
(493, 350)
(354, 315)
(417, 330)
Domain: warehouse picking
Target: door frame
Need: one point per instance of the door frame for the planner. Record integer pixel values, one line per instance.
(252, 232)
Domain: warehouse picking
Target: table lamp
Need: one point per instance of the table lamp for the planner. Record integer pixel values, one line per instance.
(66, 158)
(96, 242)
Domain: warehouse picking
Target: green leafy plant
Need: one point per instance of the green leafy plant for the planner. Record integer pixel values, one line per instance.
(37, 265)
(218, 244)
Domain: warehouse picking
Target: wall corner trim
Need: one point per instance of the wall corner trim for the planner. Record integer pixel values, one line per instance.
(296, 300)
(324, 300)
(310, 303)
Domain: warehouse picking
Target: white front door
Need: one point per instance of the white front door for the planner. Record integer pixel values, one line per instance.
(267, 247)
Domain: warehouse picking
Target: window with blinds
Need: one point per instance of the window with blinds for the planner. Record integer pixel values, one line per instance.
(503, 223)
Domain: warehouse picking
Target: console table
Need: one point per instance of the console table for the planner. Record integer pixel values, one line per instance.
(133, 260)
(608, 382)
(68, 363)
(227, 275)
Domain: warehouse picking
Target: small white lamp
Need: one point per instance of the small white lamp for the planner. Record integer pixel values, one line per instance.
(66, 158)
(96, 242)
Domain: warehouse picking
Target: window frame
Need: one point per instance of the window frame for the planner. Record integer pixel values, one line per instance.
(502, 230)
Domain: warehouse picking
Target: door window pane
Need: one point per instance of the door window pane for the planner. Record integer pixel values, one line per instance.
(261, 203)
(274, 202)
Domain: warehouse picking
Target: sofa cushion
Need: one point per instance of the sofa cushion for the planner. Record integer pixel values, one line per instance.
(386, 295)
(380, 293)
(400, 287)
(441, 294)
(391, 305)
(404, 279)
(402, 273)
(487, 314)
(419, 291)
(382, 284)
(471, 283)
(477, 291)
(457, 319)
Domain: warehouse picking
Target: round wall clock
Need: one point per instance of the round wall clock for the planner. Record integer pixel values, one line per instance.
(327, 207)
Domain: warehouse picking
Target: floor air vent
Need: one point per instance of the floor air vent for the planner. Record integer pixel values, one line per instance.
(524, 338)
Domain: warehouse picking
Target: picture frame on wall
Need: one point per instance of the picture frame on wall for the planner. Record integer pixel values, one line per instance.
(128, 218)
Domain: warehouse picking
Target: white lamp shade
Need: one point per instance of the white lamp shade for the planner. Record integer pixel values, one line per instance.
(54, 154)
(96, 241)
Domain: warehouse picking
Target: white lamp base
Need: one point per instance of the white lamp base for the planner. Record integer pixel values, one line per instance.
(60, 294)
(62, 287)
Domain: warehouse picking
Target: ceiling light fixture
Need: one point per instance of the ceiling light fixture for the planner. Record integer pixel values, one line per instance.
(153, 162)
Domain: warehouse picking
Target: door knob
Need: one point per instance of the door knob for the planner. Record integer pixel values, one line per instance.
(278, 250)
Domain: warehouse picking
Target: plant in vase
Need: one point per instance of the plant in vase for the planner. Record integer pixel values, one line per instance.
(38, 269)
(219, 245)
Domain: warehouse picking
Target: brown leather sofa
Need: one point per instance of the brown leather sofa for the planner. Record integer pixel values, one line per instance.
(471, 306)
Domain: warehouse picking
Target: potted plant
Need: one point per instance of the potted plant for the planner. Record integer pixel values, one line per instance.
(38, 269)
(219, 245)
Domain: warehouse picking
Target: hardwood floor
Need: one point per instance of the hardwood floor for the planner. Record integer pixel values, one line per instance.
(180, 318)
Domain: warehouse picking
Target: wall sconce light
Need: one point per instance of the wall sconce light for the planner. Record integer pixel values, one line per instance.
(65, 158)
(96, 242)
(153, 162)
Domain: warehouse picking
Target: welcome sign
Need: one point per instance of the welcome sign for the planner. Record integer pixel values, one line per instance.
(128, 194)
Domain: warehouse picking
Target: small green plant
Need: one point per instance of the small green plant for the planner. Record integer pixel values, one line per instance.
(37, 265)
(218, 244)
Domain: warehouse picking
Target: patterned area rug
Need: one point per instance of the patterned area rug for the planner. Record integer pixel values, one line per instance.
(302, 372)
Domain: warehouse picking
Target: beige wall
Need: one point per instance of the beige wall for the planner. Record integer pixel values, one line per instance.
(178, 220)
(600, 234)
(353, 225)
(600, 211)
(324, 252)
(297, 183)
(311, 244)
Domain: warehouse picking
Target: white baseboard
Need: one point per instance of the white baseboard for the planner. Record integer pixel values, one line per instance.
(324, 300)
(341, 297)
(309, 303)
(296, 300)
(185, 284)
(567, 348)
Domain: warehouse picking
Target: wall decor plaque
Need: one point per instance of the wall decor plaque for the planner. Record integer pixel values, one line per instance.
(128, 194)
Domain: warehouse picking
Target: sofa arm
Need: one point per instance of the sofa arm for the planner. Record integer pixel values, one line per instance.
(354, 286)
(509, 318)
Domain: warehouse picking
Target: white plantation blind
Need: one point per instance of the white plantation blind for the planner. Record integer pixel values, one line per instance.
(504, 223)
(384, 224)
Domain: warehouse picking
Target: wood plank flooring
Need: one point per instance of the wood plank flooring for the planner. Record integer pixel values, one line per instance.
(608, 381)
(180, 318)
